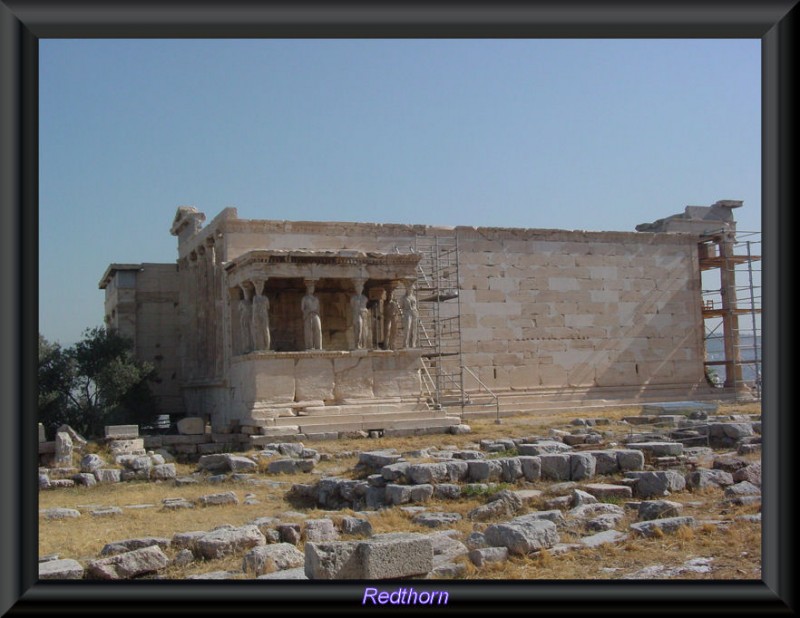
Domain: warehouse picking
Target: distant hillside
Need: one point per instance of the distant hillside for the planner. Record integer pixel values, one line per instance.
(750, 349)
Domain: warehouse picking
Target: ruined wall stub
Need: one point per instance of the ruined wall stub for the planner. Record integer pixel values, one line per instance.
(141, 303)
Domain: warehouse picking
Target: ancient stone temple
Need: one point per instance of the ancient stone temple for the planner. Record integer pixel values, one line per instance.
(318, 328)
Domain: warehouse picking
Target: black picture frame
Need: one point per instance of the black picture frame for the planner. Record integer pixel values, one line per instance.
(24, 22)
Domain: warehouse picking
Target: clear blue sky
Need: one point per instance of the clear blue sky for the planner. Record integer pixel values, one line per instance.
(569, 134)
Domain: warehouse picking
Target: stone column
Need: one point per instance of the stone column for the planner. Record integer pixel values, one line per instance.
(730, 321)
(410, 315)
(202, 312)
(312, 322)
(183, 304)
(377, 297)
(360, 316)
(214, 313)
(63, 457)
(260, 319)
(245, 318)
(392, 316)
(191, 318)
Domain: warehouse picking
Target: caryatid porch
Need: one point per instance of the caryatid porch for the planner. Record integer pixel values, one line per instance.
(349, 366)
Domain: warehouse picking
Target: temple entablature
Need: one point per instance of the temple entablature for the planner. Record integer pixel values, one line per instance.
(315, 300)
(319, 265)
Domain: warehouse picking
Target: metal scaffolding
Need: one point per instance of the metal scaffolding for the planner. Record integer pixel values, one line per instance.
(439, 305)
(732, 311)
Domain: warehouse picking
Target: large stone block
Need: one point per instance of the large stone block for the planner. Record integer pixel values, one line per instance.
(108, 475)
(121, 432)
(374, 461)
(603, 491)
(132, 446)
(290, 466)
(314, 379)
(396, 554)
(191, 426)
(60, 569)
(63, 458)
(270, 558)
(531, 467)
(605, 462)
(239, 463)
(337, 560)
(274, 380)
(91, 462)
(421, 493)
(655, 527)
(484, 470)
(658, 449)
(630, 460)
(582, 466)
(427, 473)
(120, 547)
(130, 564)
(397, 376)
(521, 536)
(511, 469)
(702, 478)
(163, 472)
(219, 499)
(656, 484)
(397, 494)
(658, 509)
(555, 467)
(225, 541)
(353, 378)
(457, 470)
(320, 531)
(545, 447)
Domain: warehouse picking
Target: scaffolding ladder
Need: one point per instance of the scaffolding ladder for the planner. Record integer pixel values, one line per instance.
(439, 305)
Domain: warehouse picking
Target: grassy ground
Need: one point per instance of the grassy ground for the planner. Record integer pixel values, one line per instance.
(735, 549)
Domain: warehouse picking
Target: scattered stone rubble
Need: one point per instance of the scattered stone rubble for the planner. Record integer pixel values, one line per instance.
(515, 519)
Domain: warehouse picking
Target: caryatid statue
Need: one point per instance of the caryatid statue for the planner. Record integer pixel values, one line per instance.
(361, 317)
(245, 317)
(392, 314)
(410, 318)
(260, 320)
(312, 324)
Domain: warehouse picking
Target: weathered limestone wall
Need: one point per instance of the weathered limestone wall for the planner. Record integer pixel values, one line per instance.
(580, 309)
(545, 308)
(263, 386)
(541, 311)
(142, 304)
(120, 302)
(157, 335)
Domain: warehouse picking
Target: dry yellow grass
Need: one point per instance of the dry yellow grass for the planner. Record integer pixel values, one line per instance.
(735, 548)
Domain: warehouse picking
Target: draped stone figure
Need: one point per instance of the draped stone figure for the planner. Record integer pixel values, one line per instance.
(260, 322)
(245, 317)
(410, 318)
(366, 324)
(392, 317)
(361, 317)
(312, 324)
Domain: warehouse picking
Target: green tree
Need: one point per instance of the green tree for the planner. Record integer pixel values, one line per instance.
(96, 382)
(56, 376)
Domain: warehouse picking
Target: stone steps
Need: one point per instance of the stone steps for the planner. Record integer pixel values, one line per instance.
(439, 425)
(550, 401)
(362, 409)
(348, 419)
(392, 423)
